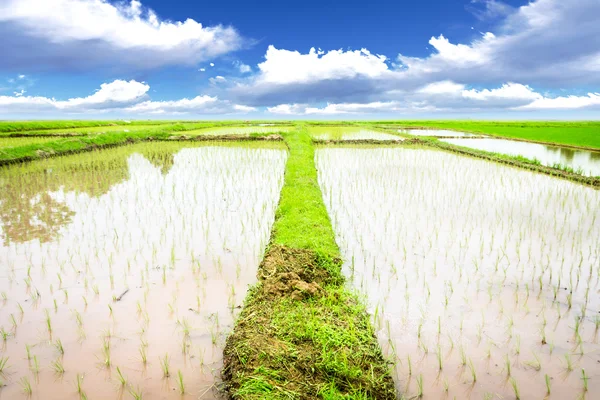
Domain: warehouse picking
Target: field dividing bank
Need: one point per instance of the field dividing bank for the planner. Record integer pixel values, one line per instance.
(584, 135)
(72, 145)
(24, 126)
(301, 333)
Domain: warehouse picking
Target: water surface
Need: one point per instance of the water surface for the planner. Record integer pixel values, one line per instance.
(588, 162)
(147, 249)
(466, 264)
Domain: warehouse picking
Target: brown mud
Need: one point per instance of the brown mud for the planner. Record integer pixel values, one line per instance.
(292, 280)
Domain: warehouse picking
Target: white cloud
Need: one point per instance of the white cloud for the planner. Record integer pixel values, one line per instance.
(242, 108)
(284, 66)
(356, 108)
(119, 96)
(442, 87)
(217, 79)
(287, 109)
(110, 95)
(99, 32)
(565, 102)
(526, 48)
(243, 68)
(514, 91)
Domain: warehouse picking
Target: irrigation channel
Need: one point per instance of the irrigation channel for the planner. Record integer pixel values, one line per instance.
(272, 270)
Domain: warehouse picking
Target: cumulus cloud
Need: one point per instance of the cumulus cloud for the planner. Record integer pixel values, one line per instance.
(284, 66)
(526, 51)
(450, 97)
(592, 100)
(243, 68)
(110, 95)
(82, 33)
(119, 96)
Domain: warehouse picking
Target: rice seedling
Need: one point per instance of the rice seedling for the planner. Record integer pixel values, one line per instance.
(59, 346)
(515, 388)
(180, 382)
(585, 378)
(122, 379)
(26, 386)
(57, 366)
(3, 364)
(569, 362)
(164, 364)
(420, 386)
(548, 385)
(135, 393)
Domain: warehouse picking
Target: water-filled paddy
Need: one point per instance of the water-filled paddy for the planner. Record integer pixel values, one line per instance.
(239, 130)
(120, 258)
(436, 133)
(585, 161)
(350, 133)
(481, 278)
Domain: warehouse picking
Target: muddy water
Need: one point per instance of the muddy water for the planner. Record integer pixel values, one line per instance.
(132, 253)
(437, 133)
(475, 273)
(350, 133)
(588, 162)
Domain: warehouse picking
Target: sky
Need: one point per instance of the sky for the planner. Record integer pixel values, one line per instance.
(152, 59)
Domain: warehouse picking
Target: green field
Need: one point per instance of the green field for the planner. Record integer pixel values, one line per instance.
(580, 134)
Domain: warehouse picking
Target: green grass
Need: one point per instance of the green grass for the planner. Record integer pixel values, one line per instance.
(301, 333)
(301, 220)
(23, 141)
(579, 134)
(21, 126)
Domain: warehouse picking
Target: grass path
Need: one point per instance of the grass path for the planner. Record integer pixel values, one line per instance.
(302, 334)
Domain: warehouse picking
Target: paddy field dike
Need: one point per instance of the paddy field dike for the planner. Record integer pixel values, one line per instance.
(299, 260)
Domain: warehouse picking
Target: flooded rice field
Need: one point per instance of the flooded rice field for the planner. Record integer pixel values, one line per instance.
(239, 130)
(122, 270)
(585, 161)
(350, 133)
(482, 279)
(437, 133)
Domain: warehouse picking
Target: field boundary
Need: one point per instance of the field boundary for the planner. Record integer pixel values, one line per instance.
(302, 334)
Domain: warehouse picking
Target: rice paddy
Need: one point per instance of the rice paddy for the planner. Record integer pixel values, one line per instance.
(480, 278)
(240, 130)
(350, 134)
(123, 269)
(585, 162)
(436, 133)
(165, 267)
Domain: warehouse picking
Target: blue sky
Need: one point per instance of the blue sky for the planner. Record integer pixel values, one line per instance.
(310, 59)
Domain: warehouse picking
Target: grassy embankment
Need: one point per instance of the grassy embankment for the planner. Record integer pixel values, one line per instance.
(23, 126)
(34, 149)
(576, 134)
(302, 334)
